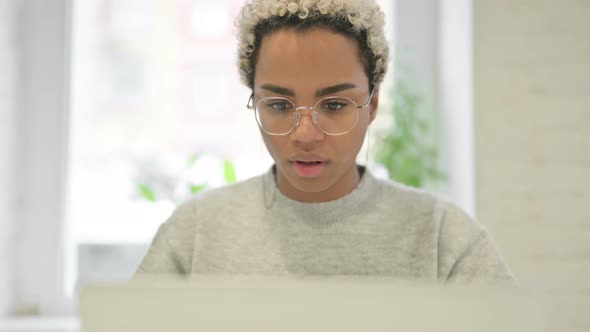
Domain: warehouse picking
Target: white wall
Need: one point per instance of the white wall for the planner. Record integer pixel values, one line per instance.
(455, 74)
(8, 77)
(42, 145)
(532, 127)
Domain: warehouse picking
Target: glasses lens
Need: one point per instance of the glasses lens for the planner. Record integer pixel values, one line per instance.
(336, 115)
(275, 115)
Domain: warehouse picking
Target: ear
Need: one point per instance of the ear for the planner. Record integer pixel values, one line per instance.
(374, 105)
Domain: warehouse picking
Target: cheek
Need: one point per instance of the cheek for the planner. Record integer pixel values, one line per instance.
(364, 119)
(361, 127)
(273, 144)
(349, 145)
(360, 130)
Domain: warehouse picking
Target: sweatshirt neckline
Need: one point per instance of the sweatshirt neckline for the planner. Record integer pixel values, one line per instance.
(360, 199)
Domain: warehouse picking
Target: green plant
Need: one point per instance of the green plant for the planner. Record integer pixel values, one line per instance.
(401, 147)
(154, 185)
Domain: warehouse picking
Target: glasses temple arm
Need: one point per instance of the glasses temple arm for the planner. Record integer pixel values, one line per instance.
(251, 99)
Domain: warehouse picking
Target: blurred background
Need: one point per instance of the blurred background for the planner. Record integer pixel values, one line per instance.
(113, 112)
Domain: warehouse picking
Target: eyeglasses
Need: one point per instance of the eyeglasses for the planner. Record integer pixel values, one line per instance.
(332, 115)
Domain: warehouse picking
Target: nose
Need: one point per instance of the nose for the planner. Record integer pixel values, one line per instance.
(306, 132)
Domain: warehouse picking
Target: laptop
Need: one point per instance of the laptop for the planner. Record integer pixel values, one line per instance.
(222, 304)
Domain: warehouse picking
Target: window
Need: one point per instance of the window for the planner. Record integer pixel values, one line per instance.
(151, 85)
(157, 112)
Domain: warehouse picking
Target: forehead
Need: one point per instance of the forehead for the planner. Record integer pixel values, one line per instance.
(309, 59)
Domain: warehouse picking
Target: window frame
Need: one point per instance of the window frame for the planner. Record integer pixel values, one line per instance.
(42, 138)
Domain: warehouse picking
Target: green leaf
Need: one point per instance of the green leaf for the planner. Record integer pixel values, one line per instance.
(403, 148)
(146, 192)
(197, 188)
(192, 159)
(229, 172)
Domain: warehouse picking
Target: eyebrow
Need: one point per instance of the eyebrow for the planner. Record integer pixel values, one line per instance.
(278, 89)
(334, 89)
(319, 93)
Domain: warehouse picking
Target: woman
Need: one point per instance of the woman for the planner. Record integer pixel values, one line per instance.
(315, 67)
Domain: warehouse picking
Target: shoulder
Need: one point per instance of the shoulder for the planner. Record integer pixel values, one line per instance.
(435, 212)
(409, 197)
(413, 205)
(468, 252)
(209, 207)
(238, 193)
(213, 204)
(465, 248)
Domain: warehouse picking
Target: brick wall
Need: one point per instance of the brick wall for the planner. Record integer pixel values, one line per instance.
(532, 129)
(8, 80)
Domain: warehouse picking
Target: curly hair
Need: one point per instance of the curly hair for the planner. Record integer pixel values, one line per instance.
(362, 20)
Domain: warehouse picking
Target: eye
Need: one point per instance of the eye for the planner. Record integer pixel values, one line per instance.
(334, 105)
(278, 105)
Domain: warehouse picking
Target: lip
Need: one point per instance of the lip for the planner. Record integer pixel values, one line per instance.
(307, 157)
(308, 170)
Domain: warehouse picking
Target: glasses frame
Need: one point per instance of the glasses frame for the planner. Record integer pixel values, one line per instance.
(314, 113)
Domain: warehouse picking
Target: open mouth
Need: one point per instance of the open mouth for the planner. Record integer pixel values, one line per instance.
(309, 169)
